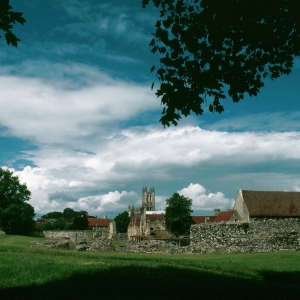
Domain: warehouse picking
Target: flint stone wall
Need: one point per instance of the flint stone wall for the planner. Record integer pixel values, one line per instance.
(75, 235)
(261, 236)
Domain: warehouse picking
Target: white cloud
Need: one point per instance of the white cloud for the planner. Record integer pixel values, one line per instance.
(45, 113)
(82, 153)
(203, 200)
(53, 191)
(144, 154)
(111, 202)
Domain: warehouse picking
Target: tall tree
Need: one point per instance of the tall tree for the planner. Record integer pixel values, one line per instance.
(178, 213)
(70, 213)
(53, 215)
(80, 222)
(16, 216)
(7, 19)
(122, 221)
(210, 48)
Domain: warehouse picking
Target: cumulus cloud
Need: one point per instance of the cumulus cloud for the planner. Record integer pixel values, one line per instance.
(52, 191)
(57, 115)
(111, 202)
(203, 200)
(150, 153)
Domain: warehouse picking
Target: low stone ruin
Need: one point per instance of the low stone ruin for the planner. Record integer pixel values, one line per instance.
(262, 236)
(100, 244)
(82, 245)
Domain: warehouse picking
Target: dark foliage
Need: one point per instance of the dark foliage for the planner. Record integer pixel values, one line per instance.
(69, 213)
(16, 216)
(52, 215)
(122, 221)
(7, 19)
(178, 213)
(210, 48)
(58, 224)
(80, 223)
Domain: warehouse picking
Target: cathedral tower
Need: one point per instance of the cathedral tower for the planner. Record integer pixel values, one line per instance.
(148, 198)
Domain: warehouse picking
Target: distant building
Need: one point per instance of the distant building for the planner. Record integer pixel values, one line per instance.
(259, 205)
(249, 206)
(148, 199)
(104, 225)
(145, 221)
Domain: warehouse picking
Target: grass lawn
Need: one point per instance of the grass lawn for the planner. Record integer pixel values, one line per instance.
(34, 273)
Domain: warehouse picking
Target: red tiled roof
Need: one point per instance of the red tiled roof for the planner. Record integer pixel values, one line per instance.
(154, 217)
(224, 216)
(271, 203)
(201, 219)
(93, 222)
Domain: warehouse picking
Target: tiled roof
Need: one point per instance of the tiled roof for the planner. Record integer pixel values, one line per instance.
(269, 203)
(41, 220)
(154, 217)
(99, 222)
(201, 219)
(224, 216)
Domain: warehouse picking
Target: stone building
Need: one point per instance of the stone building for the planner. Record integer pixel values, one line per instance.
(148, 198)
(261, 205)
(104, 225)
(145, 221)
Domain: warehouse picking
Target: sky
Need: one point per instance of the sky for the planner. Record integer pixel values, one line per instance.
(79, 123)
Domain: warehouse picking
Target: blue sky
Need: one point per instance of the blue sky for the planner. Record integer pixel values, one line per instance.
(79, 122)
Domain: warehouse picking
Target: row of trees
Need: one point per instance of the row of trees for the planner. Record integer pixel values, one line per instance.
(68, 219)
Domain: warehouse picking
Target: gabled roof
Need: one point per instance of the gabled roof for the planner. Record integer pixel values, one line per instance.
(271, 203)
(99, 222)
(201, 219)
(224, 216)
(154, 217)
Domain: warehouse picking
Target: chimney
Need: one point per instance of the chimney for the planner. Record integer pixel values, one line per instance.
(216, 211)
(105, 217)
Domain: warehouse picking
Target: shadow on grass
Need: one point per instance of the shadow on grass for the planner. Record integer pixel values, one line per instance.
(290, 278)
(135, 282)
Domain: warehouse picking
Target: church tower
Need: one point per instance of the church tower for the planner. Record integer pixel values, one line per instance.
(148, 198)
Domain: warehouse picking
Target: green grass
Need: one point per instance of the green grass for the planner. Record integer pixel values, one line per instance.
(38, 273)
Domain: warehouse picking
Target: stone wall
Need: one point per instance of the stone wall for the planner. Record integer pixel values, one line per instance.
(74, 235)
(265, 236)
